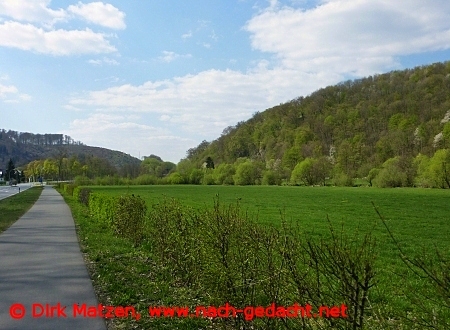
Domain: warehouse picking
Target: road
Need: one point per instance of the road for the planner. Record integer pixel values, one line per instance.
(43, 277)
(7, 191)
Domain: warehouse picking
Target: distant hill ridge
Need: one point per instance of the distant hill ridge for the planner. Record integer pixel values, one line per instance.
(24, 147)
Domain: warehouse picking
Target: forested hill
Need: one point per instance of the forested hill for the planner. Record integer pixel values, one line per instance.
(357, 125)
(23, 148)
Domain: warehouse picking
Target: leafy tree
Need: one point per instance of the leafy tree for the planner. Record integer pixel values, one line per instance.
(423, 177)
(209, 163)
(50, 168)
(164, 169)
(440, 168)
(10, 170)
(175, 178)
(271, 178)
(311, 171)
(149, 165)
(247, 173)
(446, 134)
(372, 175)
(223, 174)
(395, 172)
(185, 167)
(196, 176)
(208, 179)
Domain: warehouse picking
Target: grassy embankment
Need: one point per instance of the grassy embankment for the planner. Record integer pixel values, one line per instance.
(12, 208)
(418, 218)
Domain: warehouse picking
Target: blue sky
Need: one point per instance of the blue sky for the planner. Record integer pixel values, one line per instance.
(158, 77)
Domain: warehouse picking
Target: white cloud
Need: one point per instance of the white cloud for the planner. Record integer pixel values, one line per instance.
(56, 42)
(105, 60)
(32, 11)
(4, 90)
(30, 26)
(172, 56)
(187, 35)
(10, 93)
(348, 36)
(207, 102)
(100, 13)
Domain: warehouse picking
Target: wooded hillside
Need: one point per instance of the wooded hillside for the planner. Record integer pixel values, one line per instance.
(23, 148)
(345, 131)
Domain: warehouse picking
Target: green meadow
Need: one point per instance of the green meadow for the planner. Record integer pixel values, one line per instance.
(419, 219)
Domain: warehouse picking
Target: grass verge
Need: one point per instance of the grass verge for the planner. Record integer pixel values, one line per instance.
(125, 275)
(12, 208)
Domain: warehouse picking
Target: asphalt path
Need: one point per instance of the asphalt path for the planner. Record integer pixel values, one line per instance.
(7, 191)
(43, 277)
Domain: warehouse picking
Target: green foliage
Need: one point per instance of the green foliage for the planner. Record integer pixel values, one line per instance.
(69, 188)
(394, 173)
(311, 171)
(185, 167)
(440, 168)
(424, 176)
(372, 175)
(341, 179)
(101, 208)
(175, 236)
(224, 253)
(196, 176)
(175, 178)
(223, 174)
(271, 178)
(208, 179)
(146, 179)
(446, 134)
(81, 180)
(83, 195)
(129, 218)
(247, 173)
(209, 163)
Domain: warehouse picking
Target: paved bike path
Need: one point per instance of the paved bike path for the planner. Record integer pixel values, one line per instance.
(41, 265)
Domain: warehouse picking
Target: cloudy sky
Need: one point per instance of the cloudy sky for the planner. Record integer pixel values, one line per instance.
(158, 77)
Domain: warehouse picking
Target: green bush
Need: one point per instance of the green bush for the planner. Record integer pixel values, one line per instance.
(271, 178)
(82, 180)
(68, 188)
(145, 179)
(208, 179)
(101, 208)
(83, 195)
(395, 172)
(229, 257)
(129, 217)
(176, 235)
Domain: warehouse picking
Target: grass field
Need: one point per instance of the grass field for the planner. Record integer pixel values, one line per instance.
(12, 208)
(418, 218)
(415, 216)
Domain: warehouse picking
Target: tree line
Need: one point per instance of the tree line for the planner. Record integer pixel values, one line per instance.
(37, 139)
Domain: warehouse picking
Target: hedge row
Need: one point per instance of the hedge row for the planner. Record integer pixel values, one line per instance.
(124, 215)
